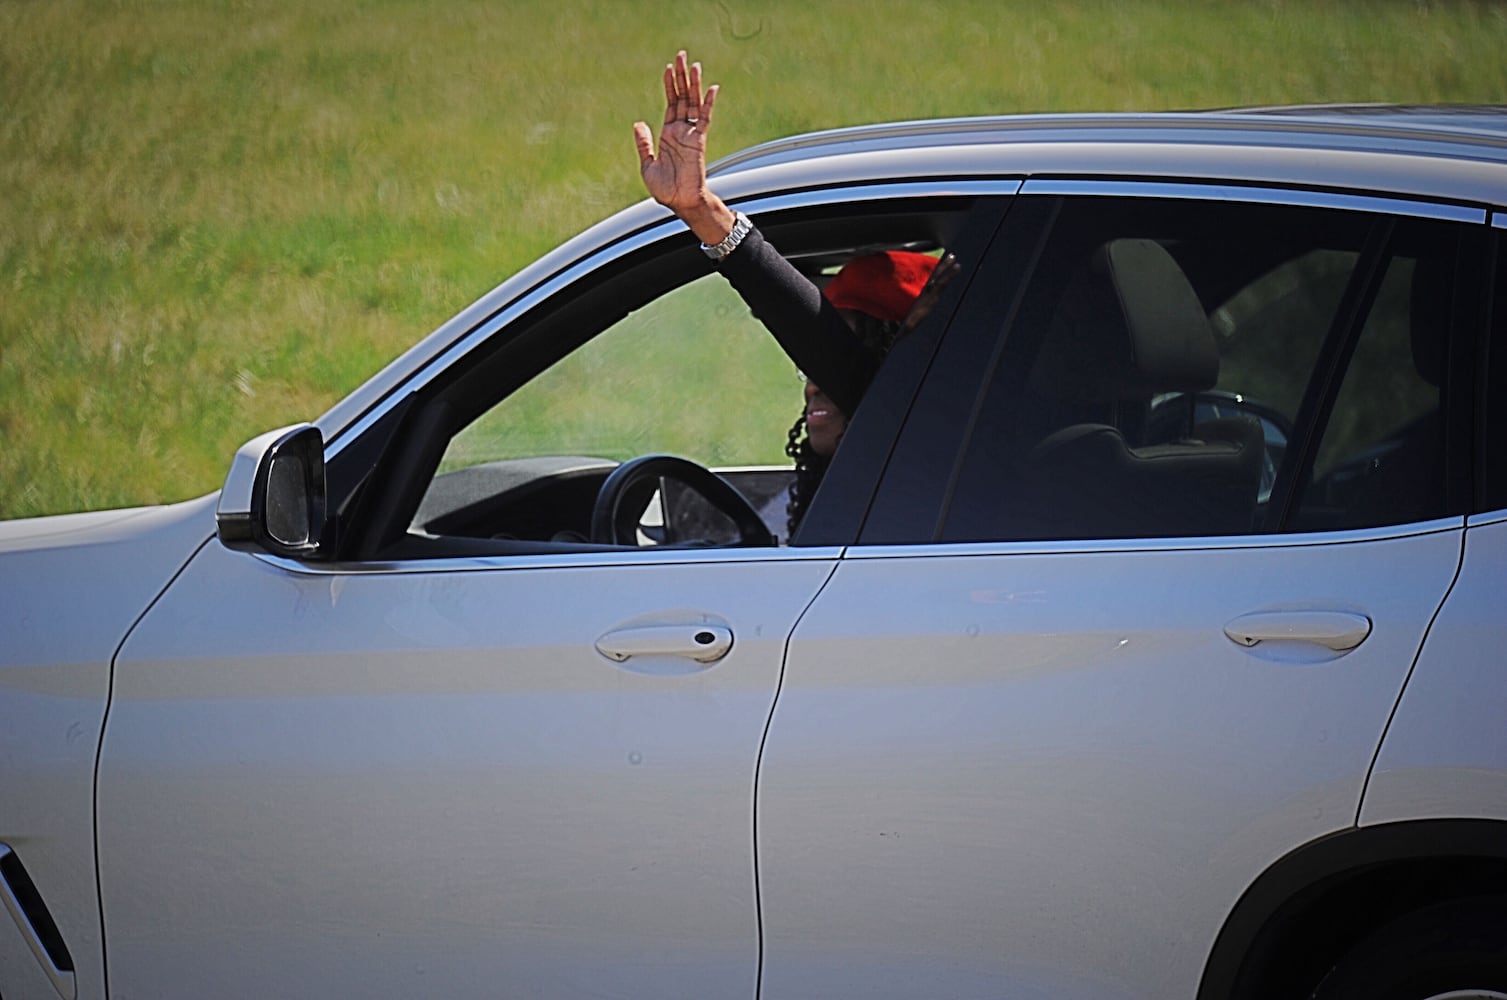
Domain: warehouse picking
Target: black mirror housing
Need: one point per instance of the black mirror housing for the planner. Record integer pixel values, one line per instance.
(274, 498)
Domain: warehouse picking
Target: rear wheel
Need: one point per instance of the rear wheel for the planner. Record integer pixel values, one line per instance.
(1449, 951)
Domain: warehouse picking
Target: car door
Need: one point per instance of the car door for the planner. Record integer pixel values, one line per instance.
(1075, 690)
(411, 781)
(485, 752)
(1445, 754)
(468, 764)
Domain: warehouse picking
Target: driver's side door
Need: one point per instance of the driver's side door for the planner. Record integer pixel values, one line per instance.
(432, 783)
(523, 773)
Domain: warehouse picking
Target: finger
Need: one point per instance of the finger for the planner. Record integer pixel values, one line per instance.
(693, 91)
(644, 140)
(706, 106)
(680, 83)
(669, 84)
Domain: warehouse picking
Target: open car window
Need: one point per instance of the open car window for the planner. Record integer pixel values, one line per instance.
(692, 373)
(521, 446)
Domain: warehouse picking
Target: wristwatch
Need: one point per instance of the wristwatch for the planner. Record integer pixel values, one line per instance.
(741, 228)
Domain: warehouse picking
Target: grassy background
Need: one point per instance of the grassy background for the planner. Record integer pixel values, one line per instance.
(218, 216)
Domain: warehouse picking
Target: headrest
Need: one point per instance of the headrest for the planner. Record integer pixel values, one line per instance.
(1128, 326)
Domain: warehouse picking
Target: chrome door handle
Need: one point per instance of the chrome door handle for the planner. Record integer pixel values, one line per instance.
(1336, 630)
(702, 643)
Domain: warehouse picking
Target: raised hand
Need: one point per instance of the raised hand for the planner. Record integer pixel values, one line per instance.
(676, 177)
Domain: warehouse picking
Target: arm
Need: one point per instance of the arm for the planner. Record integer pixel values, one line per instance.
(811, 332)
(805, 324)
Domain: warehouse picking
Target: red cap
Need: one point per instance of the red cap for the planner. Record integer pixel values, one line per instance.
(883, 285)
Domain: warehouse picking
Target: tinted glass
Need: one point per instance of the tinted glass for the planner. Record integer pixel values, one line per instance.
(1173, 370)
(1494, 453)
(1380, 458)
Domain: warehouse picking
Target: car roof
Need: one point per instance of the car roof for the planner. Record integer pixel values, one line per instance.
(1471, 131)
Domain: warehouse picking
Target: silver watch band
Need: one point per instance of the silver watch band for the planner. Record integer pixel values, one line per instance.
(741, 228)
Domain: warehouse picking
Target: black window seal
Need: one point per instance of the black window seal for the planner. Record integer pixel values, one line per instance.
(1490, 424)
(902, 385)
(986, 378)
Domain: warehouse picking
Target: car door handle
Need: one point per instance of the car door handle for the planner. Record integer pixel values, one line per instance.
(702, 643)
(1336, 630)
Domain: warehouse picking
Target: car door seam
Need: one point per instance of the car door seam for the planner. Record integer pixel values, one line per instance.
(99, 754)
(1402, 690)
(779, 685)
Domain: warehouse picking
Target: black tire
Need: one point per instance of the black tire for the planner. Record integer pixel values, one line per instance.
(1455, 950)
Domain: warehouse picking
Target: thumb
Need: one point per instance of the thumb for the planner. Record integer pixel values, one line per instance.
(644, 140)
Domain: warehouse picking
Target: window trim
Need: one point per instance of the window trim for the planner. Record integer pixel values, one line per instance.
(1347, 536)
(1296, 197)
(563, 560)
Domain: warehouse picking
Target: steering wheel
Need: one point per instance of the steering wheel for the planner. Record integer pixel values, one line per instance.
(628, 489)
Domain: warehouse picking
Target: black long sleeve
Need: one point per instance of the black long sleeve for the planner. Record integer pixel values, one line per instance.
(808, 327)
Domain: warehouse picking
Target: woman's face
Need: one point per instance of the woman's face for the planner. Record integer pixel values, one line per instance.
(825, 423)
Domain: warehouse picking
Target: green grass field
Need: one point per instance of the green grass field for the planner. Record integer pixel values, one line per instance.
(219, 217)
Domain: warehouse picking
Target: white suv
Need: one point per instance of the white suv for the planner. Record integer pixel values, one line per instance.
(1144, 640)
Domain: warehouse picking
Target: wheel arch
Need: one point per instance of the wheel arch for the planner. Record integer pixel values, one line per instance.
(1313, 904)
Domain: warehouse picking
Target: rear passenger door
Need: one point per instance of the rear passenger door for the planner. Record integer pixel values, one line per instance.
(1445, 755)
(1145, 576)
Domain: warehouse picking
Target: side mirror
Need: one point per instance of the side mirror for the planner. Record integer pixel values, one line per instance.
(274, 496)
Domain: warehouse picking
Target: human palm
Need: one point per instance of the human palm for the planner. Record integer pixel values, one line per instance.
(676, 176)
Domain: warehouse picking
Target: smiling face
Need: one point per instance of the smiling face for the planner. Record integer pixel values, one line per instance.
(825, 423)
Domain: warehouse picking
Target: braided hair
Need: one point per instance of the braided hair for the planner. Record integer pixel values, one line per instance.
(878, 334)
(809, 470)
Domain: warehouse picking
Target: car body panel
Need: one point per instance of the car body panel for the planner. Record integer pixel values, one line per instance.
(73, 585)
(1444, 749)
(1039, 774)
(405, 782)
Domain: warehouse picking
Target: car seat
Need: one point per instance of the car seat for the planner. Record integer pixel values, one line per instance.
(1128, 328)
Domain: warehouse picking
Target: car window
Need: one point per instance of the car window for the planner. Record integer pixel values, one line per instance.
(599, 417)
(1190, 368)
(692, 373)
(1380, 458)
(1494, 455)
